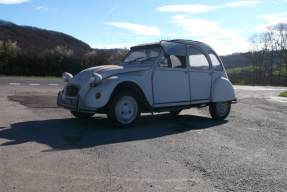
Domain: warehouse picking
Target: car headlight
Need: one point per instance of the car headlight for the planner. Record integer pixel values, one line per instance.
(67, 77)
(95, 79)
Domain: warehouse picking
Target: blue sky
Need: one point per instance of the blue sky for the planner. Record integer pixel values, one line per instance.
(225, 25)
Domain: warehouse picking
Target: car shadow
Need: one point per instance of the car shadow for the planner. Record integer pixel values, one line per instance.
(65, 134)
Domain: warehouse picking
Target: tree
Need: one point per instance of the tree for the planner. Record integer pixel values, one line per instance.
(268, 52)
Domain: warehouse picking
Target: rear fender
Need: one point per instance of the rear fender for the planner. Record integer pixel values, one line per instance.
(222, 90)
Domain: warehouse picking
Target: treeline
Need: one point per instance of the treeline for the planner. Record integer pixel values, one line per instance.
(268, 56)
(53, 62)
(235, 60)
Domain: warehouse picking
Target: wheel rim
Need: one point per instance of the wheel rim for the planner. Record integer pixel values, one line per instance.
(222, 108)
(126, 109)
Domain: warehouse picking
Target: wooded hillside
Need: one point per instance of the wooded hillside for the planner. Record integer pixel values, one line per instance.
(32, 39)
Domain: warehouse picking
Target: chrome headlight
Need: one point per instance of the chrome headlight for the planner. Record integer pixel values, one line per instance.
(67, 77)
(95, 79)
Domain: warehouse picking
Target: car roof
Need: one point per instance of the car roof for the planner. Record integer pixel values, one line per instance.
(157, 44)
(146, 46)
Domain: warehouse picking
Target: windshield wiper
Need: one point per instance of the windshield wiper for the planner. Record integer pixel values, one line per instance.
(148, 59)
(136, 59)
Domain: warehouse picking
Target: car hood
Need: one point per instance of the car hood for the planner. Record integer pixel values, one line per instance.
(107, 71)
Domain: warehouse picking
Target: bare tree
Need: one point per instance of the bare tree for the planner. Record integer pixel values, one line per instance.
(268, 49)
(280, 42)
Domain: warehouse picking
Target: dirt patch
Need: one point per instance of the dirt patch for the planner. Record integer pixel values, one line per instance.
(35, 100)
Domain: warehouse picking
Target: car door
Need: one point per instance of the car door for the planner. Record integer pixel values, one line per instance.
(171, 81)
(200, 75)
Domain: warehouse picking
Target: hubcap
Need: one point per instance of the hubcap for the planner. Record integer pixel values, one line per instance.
(126, 109)
(222, 108)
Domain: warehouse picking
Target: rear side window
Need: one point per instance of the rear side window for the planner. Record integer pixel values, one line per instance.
(172, 61)
(215, 62)
(197, 59)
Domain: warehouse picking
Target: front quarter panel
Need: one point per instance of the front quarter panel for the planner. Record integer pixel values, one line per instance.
(106, 88)
(222, 90)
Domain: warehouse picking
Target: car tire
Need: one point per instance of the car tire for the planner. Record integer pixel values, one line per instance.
(124, 109)
(219, 110)
(175, 112)
(82, 115)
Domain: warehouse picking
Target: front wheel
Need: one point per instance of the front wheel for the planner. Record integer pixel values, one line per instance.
(219, 110)
(124, 109)
(82, 115)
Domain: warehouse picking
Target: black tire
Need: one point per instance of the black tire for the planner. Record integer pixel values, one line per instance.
(124, 109)
(175, 112)
(82, 115)
(219, 110)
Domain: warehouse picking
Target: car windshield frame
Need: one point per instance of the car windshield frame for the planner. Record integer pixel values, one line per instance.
(142, 53)
(174, 48)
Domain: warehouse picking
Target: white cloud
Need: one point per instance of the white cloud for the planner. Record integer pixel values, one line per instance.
(272, 19)
(201, 27)
(274, 16)
(13, 1)
(188, 8)
(243, 3)
(138, 29)
(224, 41)
(107, 33)
(226, 46)
(42, 8)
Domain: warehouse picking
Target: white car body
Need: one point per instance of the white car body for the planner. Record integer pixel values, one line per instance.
(177, 74)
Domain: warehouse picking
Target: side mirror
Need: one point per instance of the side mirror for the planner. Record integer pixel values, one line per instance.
(163, 61)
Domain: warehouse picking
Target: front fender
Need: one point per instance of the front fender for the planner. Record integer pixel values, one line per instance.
(222, 90)
(106, 88)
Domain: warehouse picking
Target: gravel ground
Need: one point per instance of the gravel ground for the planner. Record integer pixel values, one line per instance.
(43, 148)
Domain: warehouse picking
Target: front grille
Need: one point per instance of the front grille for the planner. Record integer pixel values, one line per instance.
(72, 90)
(71, 101)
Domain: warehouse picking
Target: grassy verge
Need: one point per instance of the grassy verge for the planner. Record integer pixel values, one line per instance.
(44, 77)
(284, 94)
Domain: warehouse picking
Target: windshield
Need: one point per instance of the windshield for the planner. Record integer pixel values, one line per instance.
(142, 55)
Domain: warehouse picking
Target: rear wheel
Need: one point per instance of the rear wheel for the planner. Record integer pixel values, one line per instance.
(82, 115)
(124, 109)
(219, 110)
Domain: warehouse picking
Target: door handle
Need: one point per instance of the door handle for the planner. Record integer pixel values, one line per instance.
(186, 72)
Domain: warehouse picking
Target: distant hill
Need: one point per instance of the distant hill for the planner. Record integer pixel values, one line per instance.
(235, 60)
(32, 39)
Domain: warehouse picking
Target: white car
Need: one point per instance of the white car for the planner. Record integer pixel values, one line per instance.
(165, 76)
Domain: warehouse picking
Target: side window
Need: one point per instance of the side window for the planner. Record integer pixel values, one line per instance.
(197, 59)
(215, 62)
(172, 61)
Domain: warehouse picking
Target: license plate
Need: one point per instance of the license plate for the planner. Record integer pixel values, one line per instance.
(71, 101)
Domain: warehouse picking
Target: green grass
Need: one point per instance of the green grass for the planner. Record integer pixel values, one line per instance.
(44, 77)
(284, 94)
(239, 69)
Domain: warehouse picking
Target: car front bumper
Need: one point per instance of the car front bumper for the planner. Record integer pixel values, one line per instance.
(74, 104)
